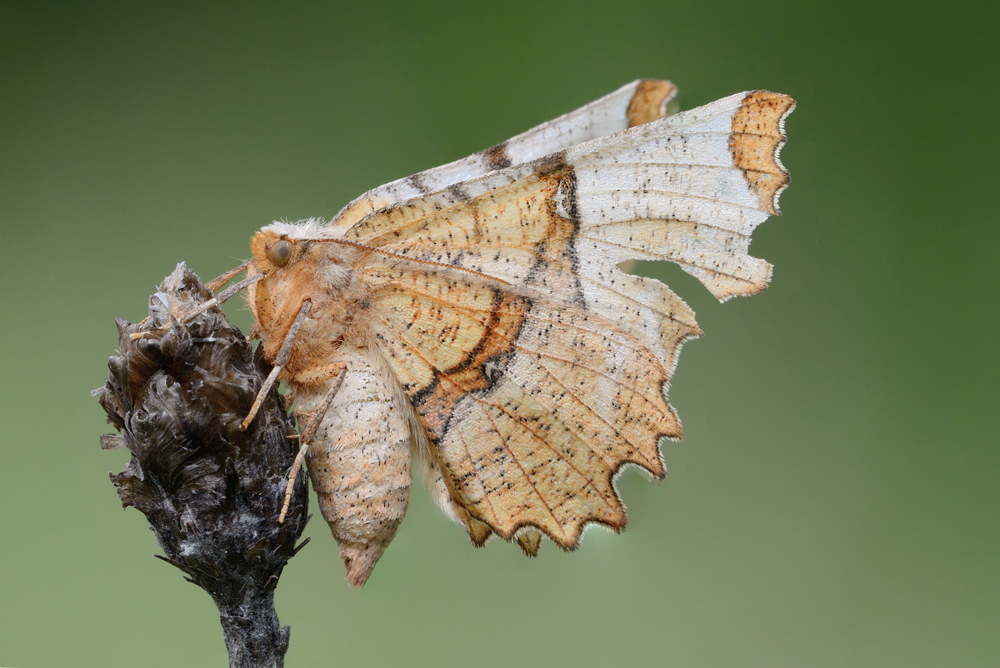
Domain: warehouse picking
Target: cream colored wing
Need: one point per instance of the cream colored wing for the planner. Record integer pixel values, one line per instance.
(537, 367)
(639, 102)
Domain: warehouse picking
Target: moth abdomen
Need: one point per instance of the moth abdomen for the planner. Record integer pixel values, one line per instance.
(359, 462)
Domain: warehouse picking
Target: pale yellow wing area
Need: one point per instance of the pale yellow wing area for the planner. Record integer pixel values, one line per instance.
(531, 407)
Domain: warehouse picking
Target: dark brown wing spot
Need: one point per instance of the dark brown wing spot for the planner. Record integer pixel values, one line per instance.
(497, 157)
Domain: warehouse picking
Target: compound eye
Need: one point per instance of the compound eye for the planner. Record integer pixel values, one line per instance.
(280, 252)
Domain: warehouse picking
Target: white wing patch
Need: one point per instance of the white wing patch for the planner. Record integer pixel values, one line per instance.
(674, 190)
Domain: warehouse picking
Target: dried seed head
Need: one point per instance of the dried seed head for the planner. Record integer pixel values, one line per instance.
(211, 492)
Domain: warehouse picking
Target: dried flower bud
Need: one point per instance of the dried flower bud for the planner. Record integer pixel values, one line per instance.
(211, 492)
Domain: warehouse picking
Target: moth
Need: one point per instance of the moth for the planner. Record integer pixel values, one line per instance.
(473, 321)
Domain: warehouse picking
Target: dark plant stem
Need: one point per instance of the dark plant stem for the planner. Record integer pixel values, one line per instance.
(253, 635)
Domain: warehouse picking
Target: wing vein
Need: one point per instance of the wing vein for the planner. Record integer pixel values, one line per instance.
(534, 352)
(675, 165)
(470, 310)
(635, 449)
(527, 477)
(479, 478)
(668, 316)
(657, 191)
(515, 418)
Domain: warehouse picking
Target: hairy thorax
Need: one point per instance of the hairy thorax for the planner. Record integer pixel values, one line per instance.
(322, 273)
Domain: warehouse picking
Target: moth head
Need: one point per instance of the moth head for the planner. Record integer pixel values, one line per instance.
(287, 267)
(272, 251)
(309, 250)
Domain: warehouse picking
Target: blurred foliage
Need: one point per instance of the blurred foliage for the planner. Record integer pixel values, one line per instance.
(834, 502)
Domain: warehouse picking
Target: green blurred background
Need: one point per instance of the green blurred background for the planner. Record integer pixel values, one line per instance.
(835, 500)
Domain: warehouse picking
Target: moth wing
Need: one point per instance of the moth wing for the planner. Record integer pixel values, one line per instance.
(537, 367)
(689, 188)
(635, 103)
(531, 407)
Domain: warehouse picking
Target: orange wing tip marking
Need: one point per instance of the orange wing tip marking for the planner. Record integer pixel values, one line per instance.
(649, 102)
(758, 134)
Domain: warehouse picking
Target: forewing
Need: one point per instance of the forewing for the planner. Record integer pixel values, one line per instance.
(639, 102)
(531, 407)
(689, 188)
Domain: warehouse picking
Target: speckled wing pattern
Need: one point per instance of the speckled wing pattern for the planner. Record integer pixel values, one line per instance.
(535, 366)
(633, 104)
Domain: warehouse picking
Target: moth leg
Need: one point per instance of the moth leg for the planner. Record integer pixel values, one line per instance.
(315, 419)
(217, 282)
(279, 363)
(223, 296)
(215, 301)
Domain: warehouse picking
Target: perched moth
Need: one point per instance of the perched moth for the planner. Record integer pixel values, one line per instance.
(473, 321)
